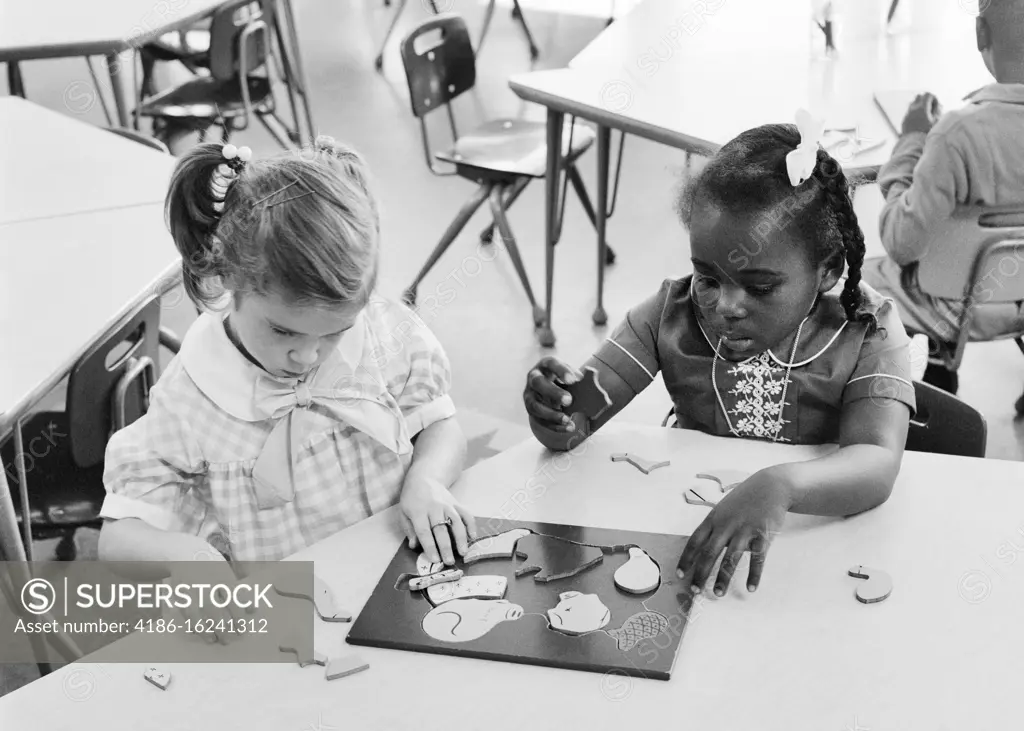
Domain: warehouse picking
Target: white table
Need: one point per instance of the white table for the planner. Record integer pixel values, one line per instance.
(54, 165)
(943, 652)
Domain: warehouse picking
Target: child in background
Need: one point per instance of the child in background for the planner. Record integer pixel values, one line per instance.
(756, 344)
(972, 156)
(303, 405)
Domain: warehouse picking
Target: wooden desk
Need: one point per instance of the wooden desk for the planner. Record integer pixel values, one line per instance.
(801, 652)
(79, 168)
(63, 283)
(694, 80)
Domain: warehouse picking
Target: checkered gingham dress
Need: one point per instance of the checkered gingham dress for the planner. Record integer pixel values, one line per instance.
(186, 466)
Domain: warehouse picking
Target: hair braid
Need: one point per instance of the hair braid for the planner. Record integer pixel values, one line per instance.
(840, 205)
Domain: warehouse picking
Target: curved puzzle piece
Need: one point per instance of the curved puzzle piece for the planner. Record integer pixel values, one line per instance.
(728, 479)
(644, 465)
(305, 655)
(877, 588)
(339, 667)
(554, 558)
(501, 545)
(158, 676)
(639, 575)
(469, 587)
(713, 487)
(322, 598)
(587, 396)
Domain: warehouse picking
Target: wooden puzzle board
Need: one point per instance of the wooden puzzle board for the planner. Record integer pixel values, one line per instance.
(640, 635)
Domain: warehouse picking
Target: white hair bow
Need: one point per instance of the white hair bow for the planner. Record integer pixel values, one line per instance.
(801, 161)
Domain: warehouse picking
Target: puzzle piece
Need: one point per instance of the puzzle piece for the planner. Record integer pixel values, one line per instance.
(158, 677)
(639, 575)
(345, 665)
(713, 487)
(498, 546)
(306, 654)
(728, 479)
(322, 597)
(877, 588)
(644, 465)
(440, 577)
(479, 587)
(587, 396)
(554, 558)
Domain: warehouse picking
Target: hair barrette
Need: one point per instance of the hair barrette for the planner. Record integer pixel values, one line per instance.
(236, 157)
(801, 161)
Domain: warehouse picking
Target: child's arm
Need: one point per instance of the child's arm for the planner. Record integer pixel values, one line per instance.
(132, 539)
(426, 502)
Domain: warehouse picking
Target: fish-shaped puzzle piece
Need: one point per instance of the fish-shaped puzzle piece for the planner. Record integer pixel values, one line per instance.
(587, 396)
(877, 588)
(644, 465)
(554, 558)
(340, 667)
(501, 545)
(639, 575)
(322, 597)
(479, 587)
(158, 676)
(641, 626)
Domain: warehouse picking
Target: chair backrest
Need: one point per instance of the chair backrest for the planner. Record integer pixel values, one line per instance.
(946, 425)
(438, 72)
(109, 386)
(959, 249)
(228, 33)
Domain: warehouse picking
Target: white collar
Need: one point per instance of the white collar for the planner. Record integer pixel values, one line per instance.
(229, 379)
(772, 355)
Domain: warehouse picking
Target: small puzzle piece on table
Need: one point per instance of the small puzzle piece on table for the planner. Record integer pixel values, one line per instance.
(588, 396)
(644, 465)
(322, 597)
(877, 588)
(345, 665)
(554, 558)
(158, 677)
(713, 486)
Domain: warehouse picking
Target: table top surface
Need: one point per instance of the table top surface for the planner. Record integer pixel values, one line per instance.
(697, 80)
(59, 28)
(65, 280)
(52, 164)
(941, 652)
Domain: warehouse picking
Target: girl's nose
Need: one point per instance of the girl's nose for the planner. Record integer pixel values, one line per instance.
(730, 303)
(305, 357)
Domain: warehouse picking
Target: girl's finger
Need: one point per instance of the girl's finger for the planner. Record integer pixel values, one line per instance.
(758, 553)
(469, 519)
(704, 563)
(410, 532)
(548, 416)
(426, 538)
(458, 530)
(439, 524)
(733, 554)
(546, 390)
(560, 369)
(693, 547)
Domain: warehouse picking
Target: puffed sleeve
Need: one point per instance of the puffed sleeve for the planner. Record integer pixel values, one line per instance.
(883, 366)
(632, 348)
(154, 468)
(417, 369)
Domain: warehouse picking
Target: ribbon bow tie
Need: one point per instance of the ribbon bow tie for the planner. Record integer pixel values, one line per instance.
(366, 406)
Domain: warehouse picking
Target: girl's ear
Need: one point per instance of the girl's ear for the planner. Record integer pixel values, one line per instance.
(831, 271)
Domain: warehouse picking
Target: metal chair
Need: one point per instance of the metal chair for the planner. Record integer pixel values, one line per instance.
(977, 259)
(946, 425)
(517, 14)
(239, 84)
(502, 156)
(107, 389)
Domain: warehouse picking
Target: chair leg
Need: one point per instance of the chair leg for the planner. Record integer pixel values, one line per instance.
(14, 82)
(487, 235)
(273, 133)
(454, 229)
(488, 14)
(534, 53)
(498, 211)
(379, 61)
(581, 193)
(66, 550)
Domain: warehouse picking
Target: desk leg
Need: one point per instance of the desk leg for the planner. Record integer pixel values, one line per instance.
(604, 141)
(114, 67)
(295, 58)
(546, 334)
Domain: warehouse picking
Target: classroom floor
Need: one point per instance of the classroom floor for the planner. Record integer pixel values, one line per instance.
(486, 326)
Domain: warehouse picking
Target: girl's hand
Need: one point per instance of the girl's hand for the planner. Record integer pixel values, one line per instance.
(543, 397)
(746, 519)
(922, 114)
(428, 509)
